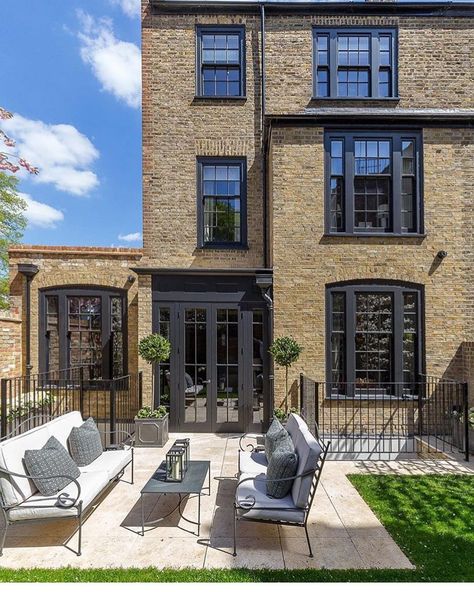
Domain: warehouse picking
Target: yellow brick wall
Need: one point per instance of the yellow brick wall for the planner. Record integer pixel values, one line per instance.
(177, 128)
(304, 260)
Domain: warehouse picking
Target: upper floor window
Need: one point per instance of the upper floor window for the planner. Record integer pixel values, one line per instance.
(220, 62)
(222, 202)
(83, 327)
(352, 63)
(373, 183)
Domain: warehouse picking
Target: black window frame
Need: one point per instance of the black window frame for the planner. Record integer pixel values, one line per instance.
(63, 293)
(396, 137)
(397, 290)
(374, 66)
(224, 30)
(219, 161)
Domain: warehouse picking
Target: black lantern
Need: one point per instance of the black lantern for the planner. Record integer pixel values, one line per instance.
(175, 463)
(185, 443)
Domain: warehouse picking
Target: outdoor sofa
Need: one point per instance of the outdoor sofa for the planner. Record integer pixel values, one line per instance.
(20, 498)
(251, 499)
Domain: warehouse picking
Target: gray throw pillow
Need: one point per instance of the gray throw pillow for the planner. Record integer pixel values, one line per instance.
(53, 459)
(85, 443)
(283, 464)
(276, 433)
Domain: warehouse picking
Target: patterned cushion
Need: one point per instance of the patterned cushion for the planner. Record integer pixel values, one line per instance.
(283, 463)
(53, 459)
(276, 433)
(85, 443)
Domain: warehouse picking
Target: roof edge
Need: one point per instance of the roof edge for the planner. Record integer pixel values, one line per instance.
(70, 250)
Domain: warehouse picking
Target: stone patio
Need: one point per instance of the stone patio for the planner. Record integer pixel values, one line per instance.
(345, 533)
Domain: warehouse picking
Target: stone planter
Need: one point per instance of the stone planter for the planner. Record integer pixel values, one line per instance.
(151, 432)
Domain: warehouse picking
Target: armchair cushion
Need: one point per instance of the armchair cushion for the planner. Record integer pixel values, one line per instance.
(49, 461)
(295, 425)
(283, 464)
(85, 443)
(254, 462)
(309, 452)
(265, 507)
(276, 433)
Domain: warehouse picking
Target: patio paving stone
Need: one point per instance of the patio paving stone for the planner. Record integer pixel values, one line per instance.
(344, 531)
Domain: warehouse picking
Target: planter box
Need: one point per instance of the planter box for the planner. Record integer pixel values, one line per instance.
(151, 432)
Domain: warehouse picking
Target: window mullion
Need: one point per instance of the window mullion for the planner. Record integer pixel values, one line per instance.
(349, 172)
(350, 340)
(375, 64)
(398, 328)
(333, 63)
(397, 184)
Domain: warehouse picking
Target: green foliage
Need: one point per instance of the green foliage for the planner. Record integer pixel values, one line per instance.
(154, 348)
(285, 351)
(148, 412)
(282, 415)
(12, 226)
(459, 415)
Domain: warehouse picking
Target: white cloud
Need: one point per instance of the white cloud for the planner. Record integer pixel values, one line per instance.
(63, 155)
(40, 214)
(131, 238)
(131, 8)
(116, 64)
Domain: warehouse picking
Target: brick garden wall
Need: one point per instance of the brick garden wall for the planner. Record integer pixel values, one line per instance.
(10, 343)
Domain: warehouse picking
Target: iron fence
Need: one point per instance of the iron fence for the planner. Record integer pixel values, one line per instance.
(384, 421)
(29, 401)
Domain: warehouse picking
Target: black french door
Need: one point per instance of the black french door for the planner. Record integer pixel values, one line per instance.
(215, 379)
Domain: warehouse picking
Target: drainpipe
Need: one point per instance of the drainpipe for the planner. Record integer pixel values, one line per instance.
(262, 139)
(265, 283)
(28, 270)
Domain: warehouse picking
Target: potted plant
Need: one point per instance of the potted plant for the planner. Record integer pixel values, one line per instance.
(285, 352)
(280, 414)
(151, 425)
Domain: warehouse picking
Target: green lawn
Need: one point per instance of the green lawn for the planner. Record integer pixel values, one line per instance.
(430, 517)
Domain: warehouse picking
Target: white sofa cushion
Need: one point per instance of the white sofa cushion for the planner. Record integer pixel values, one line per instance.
(294, 425)
(254, 463)
(91, 485)
(110, 461)
(275, 509)
(309, 452)
(12, 451)
(61, 426)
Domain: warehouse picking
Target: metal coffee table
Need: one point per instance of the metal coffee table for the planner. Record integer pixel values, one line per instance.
(192, 484)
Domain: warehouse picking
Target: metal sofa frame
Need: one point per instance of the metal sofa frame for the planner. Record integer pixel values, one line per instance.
(249, 502)
(62, 501)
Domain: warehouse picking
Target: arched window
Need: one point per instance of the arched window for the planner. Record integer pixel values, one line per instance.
(374, 335)
(83, 327)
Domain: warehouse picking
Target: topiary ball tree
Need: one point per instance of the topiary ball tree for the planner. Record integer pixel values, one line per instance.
(285, 352)
(154, 348)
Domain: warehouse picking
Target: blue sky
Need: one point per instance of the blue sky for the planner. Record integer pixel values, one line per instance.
(71, 75)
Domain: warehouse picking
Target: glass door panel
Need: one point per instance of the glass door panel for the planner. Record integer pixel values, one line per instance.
(227, 365)
(257, 366)
(195, 382)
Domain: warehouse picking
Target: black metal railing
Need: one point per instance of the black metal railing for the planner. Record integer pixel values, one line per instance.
(382, 421)
(29, 401)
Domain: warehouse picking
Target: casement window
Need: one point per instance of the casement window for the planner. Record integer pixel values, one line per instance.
(373, 183)
(374, 334)
(220, 64)
(83, 327)
(354, 63)
(222, 207)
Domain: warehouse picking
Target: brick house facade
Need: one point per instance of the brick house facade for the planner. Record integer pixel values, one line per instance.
(269, 132)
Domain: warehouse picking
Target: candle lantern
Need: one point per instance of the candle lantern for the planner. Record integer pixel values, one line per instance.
(175, 463)
(186, 444)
